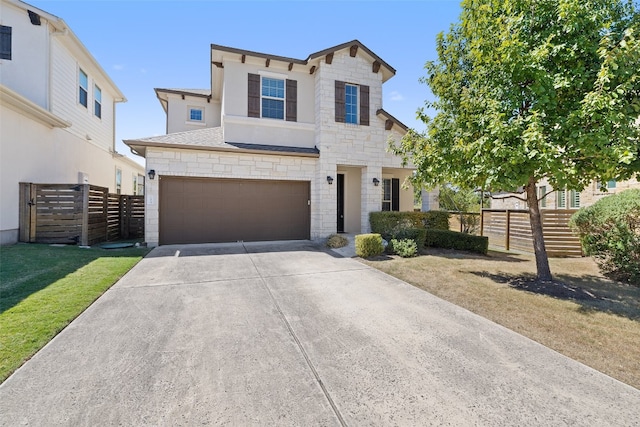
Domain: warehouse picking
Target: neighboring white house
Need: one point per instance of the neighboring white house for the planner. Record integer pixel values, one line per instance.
(57, 112)
(278, 148)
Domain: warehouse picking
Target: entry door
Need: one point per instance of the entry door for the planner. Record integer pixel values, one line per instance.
(340, 203)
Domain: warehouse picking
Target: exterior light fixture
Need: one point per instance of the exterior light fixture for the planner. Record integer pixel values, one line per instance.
(329, 180)
(152, 174)
(376, 181)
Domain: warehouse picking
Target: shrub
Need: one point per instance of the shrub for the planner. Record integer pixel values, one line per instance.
(389, 224)
(609, 231)
(368, 245)
(337, 241)
(455, 240)
(406, 248)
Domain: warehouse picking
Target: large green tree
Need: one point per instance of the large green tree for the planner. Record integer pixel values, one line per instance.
(532, 89)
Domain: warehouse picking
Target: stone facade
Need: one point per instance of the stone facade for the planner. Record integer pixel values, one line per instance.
(357, 151)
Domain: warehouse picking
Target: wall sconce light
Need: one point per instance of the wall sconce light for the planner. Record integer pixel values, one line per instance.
(376, 181)
(330, 180)
(152, 174)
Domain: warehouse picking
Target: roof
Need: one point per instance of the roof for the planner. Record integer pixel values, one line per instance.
(205, 93)
(392, 120)
(387, 70)
(64, 30)
(212, 139)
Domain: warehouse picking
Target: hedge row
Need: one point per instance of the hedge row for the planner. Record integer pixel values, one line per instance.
(389, 224)
(455, 240)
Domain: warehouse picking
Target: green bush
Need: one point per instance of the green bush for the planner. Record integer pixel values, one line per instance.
(389, 224)
(418, 235)
(455, 240)
(406, 248)
(368, 245)
(337, 241)
(610, 232)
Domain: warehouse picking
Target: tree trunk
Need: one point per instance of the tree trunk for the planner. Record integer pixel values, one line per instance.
(542, 261)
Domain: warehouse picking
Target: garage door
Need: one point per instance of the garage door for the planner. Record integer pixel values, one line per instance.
(206, 210)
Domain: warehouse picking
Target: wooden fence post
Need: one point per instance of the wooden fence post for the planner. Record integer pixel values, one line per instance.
(508, 230)
(84, 234)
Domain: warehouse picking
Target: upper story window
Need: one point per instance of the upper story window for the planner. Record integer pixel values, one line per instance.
(5, 42)
(272, 98)
(352, 103)
(83, 87)
(97, 101)
(195, 114)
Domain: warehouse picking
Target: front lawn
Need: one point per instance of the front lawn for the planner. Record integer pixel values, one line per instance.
(591, 319)
(43, 288)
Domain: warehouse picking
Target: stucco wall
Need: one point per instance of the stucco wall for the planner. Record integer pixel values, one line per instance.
(240, 128)
(32, 152)
(177, 116)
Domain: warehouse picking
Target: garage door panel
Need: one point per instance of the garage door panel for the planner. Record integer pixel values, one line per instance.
(199, 210)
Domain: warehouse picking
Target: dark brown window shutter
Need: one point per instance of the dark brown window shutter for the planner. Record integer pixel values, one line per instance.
(395, 194)
(340, 98)
(364, 105)
(292, 100)
(254, 95)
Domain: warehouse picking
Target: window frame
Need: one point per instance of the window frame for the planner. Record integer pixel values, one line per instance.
(118, 180)
(386, 201)
(97, 101)
(574, 199)
(355, 114)
(282, 100)
(6, 39)
(83, 90)
(191, 109)
(561, 199)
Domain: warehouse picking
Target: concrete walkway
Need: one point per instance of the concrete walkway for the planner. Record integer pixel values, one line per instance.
(290, 334)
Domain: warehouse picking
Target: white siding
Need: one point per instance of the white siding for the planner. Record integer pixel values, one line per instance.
(64, 99)
(26, 73)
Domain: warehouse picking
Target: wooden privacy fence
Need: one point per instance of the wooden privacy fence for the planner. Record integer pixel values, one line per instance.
(80, 213)
(511, 229)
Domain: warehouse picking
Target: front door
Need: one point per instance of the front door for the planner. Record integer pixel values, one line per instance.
(340, 183)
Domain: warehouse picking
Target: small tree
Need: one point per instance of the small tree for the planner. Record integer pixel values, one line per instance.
(463, 202)
(532, 89)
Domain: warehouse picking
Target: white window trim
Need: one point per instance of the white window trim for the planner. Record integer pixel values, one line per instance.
(283, 99)
(195, 122)
(80, 70)
(95, 99)
(357, 104)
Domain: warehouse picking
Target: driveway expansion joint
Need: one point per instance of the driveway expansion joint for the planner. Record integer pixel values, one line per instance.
(299, 344)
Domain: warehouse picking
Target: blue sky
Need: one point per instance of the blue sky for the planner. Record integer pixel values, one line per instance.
(147, 44)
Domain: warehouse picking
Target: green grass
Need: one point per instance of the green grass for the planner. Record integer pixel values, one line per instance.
(43, 288)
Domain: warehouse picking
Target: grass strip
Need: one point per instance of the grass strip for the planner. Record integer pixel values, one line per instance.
(43, 288)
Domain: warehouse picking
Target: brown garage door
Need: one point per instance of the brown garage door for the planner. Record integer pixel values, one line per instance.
(207, 210)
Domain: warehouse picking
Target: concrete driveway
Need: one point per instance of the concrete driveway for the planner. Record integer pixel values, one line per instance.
(289, 334)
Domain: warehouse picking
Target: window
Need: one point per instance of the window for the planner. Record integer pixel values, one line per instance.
(83, 83)
(97, 101)
(272, 98)
(5, 42)
(135, 184)
(196, 114)
(611, 183)
(561, 199)
(118, 181)
(542, 190)
(351, 104)
(574, 199)
(140, 191)
(390, 194)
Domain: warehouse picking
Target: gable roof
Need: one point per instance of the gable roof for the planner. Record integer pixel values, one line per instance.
(387, 70)
(161, 94)
(212, 139)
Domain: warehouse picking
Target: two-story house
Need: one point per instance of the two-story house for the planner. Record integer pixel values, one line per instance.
(57, 113)
(278, 148)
